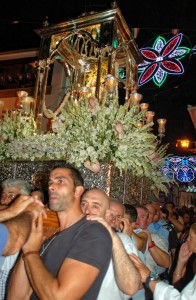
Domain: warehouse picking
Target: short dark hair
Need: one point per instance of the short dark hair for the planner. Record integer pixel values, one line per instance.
(131, 211)
(165, 211)
(170, 202)
(75, 174)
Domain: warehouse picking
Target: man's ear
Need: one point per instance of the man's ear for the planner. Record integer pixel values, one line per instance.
(79, 191)
(108, 215)
(108, 212)
(133, 224)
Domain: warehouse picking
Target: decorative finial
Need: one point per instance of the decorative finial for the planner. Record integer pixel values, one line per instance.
(114, 4)
(45, 22)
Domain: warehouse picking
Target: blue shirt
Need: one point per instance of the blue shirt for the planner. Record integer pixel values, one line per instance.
(157, 227)
(3, 237)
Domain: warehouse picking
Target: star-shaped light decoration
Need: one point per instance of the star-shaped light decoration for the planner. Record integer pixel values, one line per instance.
(162, 59)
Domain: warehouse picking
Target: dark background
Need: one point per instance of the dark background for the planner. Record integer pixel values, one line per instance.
(18, 19)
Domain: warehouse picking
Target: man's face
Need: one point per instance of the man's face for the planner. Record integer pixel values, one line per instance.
(186, 218)
(115, 216)
(9, 194)
(152, 213)
(142, 217)
(95, 202)
(61, 189)
(157, 214)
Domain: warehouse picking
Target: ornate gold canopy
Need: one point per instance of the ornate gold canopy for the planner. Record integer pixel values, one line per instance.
(89, 48)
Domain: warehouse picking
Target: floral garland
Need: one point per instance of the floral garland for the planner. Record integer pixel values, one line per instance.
(49, 114)
(88, 133)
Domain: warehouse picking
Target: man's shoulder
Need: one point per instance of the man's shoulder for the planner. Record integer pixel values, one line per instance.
(127, 243)
(93, 228)
(123, 236)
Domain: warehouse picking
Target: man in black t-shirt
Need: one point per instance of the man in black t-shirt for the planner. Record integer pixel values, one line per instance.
(73, 263)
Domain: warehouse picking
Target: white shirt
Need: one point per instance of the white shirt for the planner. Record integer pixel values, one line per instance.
(162, 243)
(109, 289)
(9, 262)
(164, 291)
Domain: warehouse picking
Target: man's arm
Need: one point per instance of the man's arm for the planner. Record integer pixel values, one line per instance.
(141, 238)
(161, 290)
(2, 206)
(19, 204)
(19, 228)
(73, 281)
(161, 257)
(126, 274)
(183, 257)
(177, 224)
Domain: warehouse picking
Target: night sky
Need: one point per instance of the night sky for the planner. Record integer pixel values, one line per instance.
(152, 17)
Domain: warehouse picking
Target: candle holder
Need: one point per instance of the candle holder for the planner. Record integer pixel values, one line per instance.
(144, 106)
(20, 95)
(27, 105)
(139, 124)
(161, 128)
(135, 99)
(111, 84)
(149, 116)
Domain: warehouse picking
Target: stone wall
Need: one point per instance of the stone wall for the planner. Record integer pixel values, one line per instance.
(125, 186)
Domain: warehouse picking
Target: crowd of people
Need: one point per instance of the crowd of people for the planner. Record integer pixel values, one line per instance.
(100, 248)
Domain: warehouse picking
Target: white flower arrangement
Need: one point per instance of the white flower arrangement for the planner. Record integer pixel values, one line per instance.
(88, 133)
(15, 126)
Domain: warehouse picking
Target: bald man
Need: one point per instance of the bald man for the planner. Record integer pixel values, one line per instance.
(122, 277)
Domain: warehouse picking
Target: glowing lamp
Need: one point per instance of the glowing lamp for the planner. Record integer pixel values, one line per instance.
(161, 123)
(27, 104)
(111, 84)
(139, 124)
(184, 143)
(135, 99)
(144, 106)
(20, 95)
(149, 116)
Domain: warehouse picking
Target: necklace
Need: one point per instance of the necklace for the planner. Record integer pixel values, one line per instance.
(47, 243)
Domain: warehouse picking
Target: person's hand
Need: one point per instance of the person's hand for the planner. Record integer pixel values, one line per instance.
(170, 213)
(127, 228)
(149, 236)
(19, 204)
(103, 222)
(35, 238)
(3, 206)
(36, 208)
(142, 268)
(184, 253)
